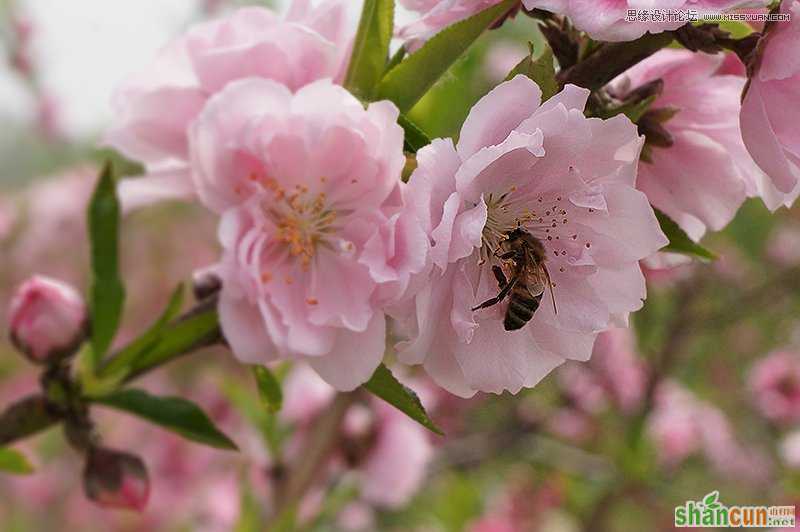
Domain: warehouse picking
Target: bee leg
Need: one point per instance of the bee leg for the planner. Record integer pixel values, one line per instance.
(495, 300)
(500, 276)
(508, 255)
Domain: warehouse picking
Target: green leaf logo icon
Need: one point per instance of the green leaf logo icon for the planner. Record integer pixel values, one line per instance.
(712, 500)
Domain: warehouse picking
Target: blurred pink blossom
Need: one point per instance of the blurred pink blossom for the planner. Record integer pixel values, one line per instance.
(783, 245)
(571, 424)
(501, 58)
(790, 449)
(567, 180)
(47, 319)
(771, 110)
(664, 269)
(155, 107)
(624, 373)
(308, 186)
(775, 385)
(605, 20)
(387, 451)
(681, 425)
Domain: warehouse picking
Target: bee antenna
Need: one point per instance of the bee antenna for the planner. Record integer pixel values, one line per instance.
(550, 287)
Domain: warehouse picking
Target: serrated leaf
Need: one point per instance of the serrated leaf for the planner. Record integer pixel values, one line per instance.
(173, 413)
(14, 462)
(407, 82)
(107, 291)
(371, 47)
(126, 358)
(679, 241)
(387, 387)
(269, 389)
(540, 68)
(414, 139)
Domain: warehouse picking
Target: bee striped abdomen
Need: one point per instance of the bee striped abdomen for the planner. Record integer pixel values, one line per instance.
(521, 307)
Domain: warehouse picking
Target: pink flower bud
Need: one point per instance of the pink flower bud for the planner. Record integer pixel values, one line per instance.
(48, 319)
(115, 479)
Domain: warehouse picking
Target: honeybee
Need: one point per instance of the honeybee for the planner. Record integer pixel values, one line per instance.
(524, 257)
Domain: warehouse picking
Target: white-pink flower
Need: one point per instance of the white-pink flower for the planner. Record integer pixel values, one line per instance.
(771, 110)
(626, 20)
(775, 385)
(314, 236)
(435, 15)
(569, 182)
(155, 107)
(47, 318)
(705, 134)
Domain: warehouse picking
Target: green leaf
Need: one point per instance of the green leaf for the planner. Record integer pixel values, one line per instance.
(107, 291)
(120, 364)
(178, 338)
(371, 47)
(14, 462)
(387, 387)
(269, 389)
(679, 241)
(414, 139)
(540, 68)
(173, 413)
(407, 82)
(395, 60)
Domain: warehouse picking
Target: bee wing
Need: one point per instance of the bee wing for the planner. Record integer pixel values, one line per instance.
(536, 280)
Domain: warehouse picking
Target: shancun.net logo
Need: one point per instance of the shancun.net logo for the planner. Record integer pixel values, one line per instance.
(710, 512)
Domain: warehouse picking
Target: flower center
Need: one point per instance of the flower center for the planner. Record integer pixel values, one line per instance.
(303, 219)
(546, 217)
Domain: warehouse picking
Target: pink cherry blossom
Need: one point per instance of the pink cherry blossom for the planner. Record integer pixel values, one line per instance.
(47, 318)
(315, 242)
(155, 107)
(565, 179)
(435, 15)
(605, 20)
(771, 110)
(775, 384)
(705, 134)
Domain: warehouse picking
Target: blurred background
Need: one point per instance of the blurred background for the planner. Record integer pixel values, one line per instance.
(702, 394)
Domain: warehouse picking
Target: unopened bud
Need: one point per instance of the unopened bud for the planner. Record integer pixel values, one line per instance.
(48, 319)
(115, 479)
(205, 283)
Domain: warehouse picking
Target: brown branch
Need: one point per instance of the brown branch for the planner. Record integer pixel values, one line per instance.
(612, 59)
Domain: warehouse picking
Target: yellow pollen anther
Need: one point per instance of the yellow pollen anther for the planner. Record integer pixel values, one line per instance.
(312, 301)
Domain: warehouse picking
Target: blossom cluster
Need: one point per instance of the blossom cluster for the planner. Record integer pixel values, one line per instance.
(537, 213)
